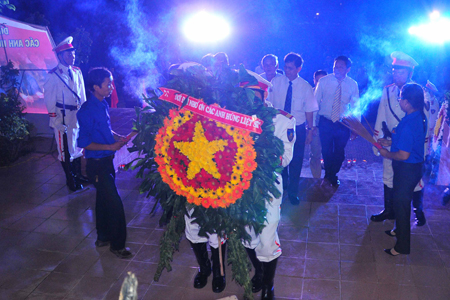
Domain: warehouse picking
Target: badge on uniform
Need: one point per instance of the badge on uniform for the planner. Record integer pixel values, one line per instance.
(290, 134)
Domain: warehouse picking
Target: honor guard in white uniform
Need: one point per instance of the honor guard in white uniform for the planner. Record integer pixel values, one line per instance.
(199, 243)
(64, 93)
(264, 249)
(388, 117)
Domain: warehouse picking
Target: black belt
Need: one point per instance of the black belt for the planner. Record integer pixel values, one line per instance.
(69, 107)
(111, 157)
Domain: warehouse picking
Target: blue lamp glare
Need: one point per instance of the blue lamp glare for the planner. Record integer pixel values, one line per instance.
(437, 31)
(206, 28)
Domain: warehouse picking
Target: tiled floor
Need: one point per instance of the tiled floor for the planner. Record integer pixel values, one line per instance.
(330, 248)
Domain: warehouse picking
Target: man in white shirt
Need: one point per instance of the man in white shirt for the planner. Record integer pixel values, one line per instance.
(294, 95)
(338, 96)
(269, 64)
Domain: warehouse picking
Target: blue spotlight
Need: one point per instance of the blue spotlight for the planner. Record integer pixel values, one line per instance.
(206, 28)
(437, 31)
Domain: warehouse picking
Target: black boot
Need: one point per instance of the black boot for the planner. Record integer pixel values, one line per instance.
(257, 280)
(204, 270)
(71, 181)
(76, 170)
(388, 212)
(219, 282)
(418, 208)
(269, 268)
(446, 196)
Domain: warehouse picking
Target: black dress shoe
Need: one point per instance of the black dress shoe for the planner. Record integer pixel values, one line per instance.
(294, 200)
(201, 279)
(218, 284)
(82, 179)
(122, 253)
(421, 222)
(389, 251)
(420, 218)
(336, 183)
(383, 215)
(99, 243)
(74, 185)
(390, 233)
(267, 293)
(257, 283)
(446, 196)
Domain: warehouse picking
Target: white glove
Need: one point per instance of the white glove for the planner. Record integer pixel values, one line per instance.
(431, 87)
(375, 151)
(60, 127)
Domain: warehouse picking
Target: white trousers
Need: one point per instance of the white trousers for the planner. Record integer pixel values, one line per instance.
(192, 230)
(72, 135)
(267, 244)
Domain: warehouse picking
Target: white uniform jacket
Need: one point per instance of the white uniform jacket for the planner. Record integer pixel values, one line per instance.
(64, 89)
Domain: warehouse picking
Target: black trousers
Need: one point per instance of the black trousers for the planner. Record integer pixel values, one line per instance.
(109, 213)
(334, 138)
(406, 177)
(291, 174)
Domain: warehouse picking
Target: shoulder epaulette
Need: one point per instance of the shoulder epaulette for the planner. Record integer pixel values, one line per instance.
(76, 68)
(285, 113)
(53, 70)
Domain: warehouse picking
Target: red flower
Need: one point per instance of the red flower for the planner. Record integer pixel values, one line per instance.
(211, 184)
(205, 202)
(237, 192)
(246, 175)
(250, 165)
(244, 185)
(214, 203)
(173, 113)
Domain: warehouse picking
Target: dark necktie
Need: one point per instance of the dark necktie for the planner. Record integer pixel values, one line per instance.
(70, 73)
(287, 104)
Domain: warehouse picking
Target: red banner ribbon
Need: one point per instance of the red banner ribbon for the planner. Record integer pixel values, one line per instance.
(213, 112)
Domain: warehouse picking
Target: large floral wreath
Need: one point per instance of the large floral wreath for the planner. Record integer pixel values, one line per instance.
(208, 162)
(188, 160)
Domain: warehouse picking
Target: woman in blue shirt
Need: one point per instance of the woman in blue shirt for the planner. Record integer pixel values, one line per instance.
(407, 154)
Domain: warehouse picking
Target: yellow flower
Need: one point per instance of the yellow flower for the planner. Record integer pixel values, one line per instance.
(169, 130)
(231, 130)
(177, 122)
(235, 178)
(228, 188)
(201, 153)
(220, 192)
(238, 169)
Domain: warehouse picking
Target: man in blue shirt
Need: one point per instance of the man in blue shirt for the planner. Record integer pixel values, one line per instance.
(100, 144)
(407, 154)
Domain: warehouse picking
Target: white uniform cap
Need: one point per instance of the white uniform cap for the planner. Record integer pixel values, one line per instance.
(401, 59)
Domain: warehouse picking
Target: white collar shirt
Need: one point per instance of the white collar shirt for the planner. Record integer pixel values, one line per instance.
(325, 92)
(263, 75)
(303, 100)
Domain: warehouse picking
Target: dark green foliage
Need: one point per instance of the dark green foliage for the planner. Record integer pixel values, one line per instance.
(14, 128)
(249, 211)
(7, 5)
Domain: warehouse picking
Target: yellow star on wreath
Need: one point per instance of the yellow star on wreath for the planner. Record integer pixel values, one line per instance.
(199, 158)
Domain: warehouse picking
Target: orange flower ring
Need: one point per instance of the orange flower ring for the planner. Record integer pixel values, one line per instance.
(208, 162)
